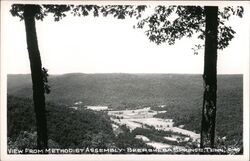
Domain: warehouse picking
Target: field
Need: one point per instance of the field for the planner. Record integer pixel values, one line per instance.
(181, 95)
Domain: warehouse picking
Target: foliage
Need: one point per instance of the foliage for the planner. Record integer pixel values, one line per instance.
(67, 128)
(229, 110)
(24, 140)
(60, 11)
(126, 139)
(45, 80)
(158, 135)
(171, 23)
(166, 24)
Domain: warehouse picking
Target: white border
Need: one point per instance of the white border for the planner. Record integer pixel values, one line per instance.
(3, 100)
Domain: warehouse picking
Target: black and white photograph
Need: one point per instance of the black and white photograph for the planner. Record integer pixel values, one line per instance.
(124, 80)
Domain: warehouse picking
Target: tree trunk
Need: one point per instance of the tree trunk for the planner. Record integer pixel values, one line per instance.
(36, 75)
(210, 78)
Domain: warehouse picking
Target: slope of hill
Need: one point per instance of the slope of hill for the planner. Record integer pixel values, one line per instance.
(114, 89)
(66, 127)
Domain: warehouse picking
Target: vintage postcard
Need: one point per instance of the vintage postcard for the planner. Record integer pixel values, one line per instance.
(124, 80)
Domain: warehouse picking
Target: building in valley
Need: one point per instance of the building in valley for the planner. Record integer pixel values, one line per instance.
(97, 108)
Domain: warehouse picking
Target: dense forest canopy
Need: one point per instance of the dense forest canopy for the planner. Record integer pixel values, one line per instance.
(67, 128)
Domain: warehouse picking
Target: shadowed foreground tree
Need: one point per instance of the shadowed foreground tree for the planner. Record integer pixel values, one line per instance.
(169, 23)
(30, 13)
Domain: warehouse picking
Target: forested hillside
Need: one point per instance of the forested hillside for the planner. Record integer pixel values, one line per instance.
(116, 90)
(67, 128)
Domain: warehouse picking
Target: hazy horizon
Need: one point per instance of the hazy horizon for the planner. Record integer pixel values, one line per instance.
(130, 73)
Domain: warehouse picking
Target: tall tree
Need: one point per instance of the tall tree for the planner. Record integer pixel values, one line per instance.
(169, 23)
(29, 13)
(210, 76)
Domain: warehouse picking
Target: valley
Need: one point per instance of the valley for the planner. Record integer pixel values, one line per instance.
(143, 110)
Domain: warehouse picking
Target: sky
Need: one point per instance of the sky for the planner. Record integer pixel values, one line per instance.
(108, 45)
